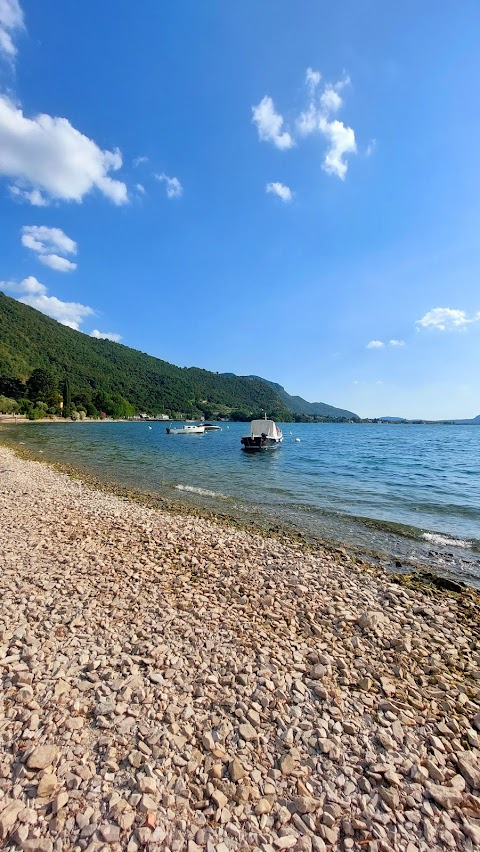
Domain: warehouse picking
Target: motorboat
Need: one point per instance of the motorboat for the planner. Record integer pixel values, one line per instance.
(264, 435)
(187, 429)
(211, 427)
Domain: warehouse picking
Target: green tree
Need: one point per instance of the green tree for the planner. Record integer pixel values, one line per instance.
(8, 406)
(42, 386)
(11, 387)
(67, 398)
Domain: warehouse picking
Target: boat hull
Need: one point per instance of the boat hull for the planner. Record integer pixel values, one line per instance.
(190, 430)
(259, 445)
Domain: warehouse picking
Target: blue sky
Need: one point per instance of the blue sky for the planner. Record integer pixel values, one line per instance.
(251, 188)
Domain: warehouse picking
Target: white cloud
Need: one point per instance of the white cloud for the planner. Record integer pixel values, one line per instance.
(342, 142)
(139, 160)
(269, 124)
(60, 264)
(106, 335)
(43, 239)
(34, 294)
(50, 244)
(379, 344)
(307, 122)
(35, 197)
(312, 78)
(317, 119)
(370, 147)
(28, 286)
(447, 319)
(283, 192)
(173, 187)
(330, 99)
(49, 155)
(140, 188)
(11, 21)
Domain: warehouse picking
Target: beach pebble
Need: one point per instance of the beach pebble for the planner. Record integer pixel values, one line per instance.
(174, 682)
(42, 756)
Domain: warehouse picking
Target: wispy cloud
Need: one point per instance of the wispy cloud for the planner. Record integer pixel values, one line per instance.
(47, 156)
(283, 192)
(447, 319)
(34, 197)
(139, 160)
(380, 344)
(140, 188)
(35, 294)
(312, 78)
(173, 187)
(106, 335)
(269, 124)
(11, 22)
(319, 117)
(50, 244)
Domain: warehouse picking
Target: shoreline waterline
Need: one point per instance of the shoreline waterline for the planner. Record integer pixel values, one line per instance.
(378, 564)
(382, 537)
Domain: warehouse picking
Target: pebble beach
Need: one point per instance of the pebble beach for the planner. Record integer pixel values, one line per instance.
(174, 683)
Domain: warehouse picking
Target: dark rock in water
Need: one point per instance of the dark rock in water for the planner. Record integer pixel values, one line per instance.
(444, 582)
(398, 564)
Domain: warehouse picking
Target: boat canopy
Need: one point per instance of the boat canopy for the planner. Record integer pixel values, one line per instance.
(263, 427)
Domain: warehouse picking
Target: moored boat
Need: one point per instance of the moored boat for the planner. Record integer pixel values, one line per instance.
(187, 429)
(264, 435)
(211, 427)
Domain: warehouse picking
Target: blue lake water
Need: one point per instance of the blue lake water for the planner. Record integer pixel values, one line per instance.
(346, 483)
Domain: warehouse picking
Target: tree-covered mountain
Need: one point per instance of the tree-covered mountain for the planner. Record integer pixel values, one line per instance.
(106, 376)
(313, 409)
(48, 365)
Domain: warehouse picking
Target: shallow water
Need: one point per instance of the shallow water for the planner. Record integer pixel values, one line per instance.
(409, 492)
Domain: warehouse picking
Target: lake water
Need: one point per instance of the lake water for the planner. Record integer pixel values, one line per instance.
(409, 492)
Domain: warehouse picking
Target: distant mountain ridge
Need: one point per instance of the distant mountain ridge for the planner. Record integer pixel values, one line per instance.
(298, 405)
(472, 421)
(97, 369)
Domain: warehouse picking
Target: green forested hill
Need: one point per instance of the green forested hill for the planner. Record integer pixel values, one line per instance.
(100, 369)
(298, 405)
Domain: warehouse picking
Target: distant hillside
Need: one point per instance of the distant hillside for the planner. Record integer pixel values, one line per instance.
(301, 406)
(30, 340)
(473, 421)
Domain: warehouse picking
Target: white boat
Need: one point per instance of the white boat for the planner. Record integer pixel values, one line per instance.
(264, 435)
(187, 429)
(211, 427)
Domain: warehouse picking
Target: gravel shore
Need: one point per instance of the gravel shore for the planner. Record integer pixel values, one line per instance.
(170, 683)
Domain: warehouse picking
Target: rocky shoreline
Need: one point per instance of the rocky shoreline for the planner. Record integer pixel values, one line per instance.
(172, 683)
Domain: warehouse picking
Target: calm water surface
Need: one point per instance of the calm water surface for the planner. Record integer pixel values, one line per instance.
(410, 492)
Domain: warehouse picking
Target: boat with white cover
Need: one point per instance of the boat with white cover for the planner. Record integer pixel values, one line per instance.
(264, 435)
(187, 429)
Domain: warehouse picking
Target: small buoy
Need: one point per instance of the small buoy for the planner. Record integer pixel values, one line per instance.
(297, 440)
(149, 427)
